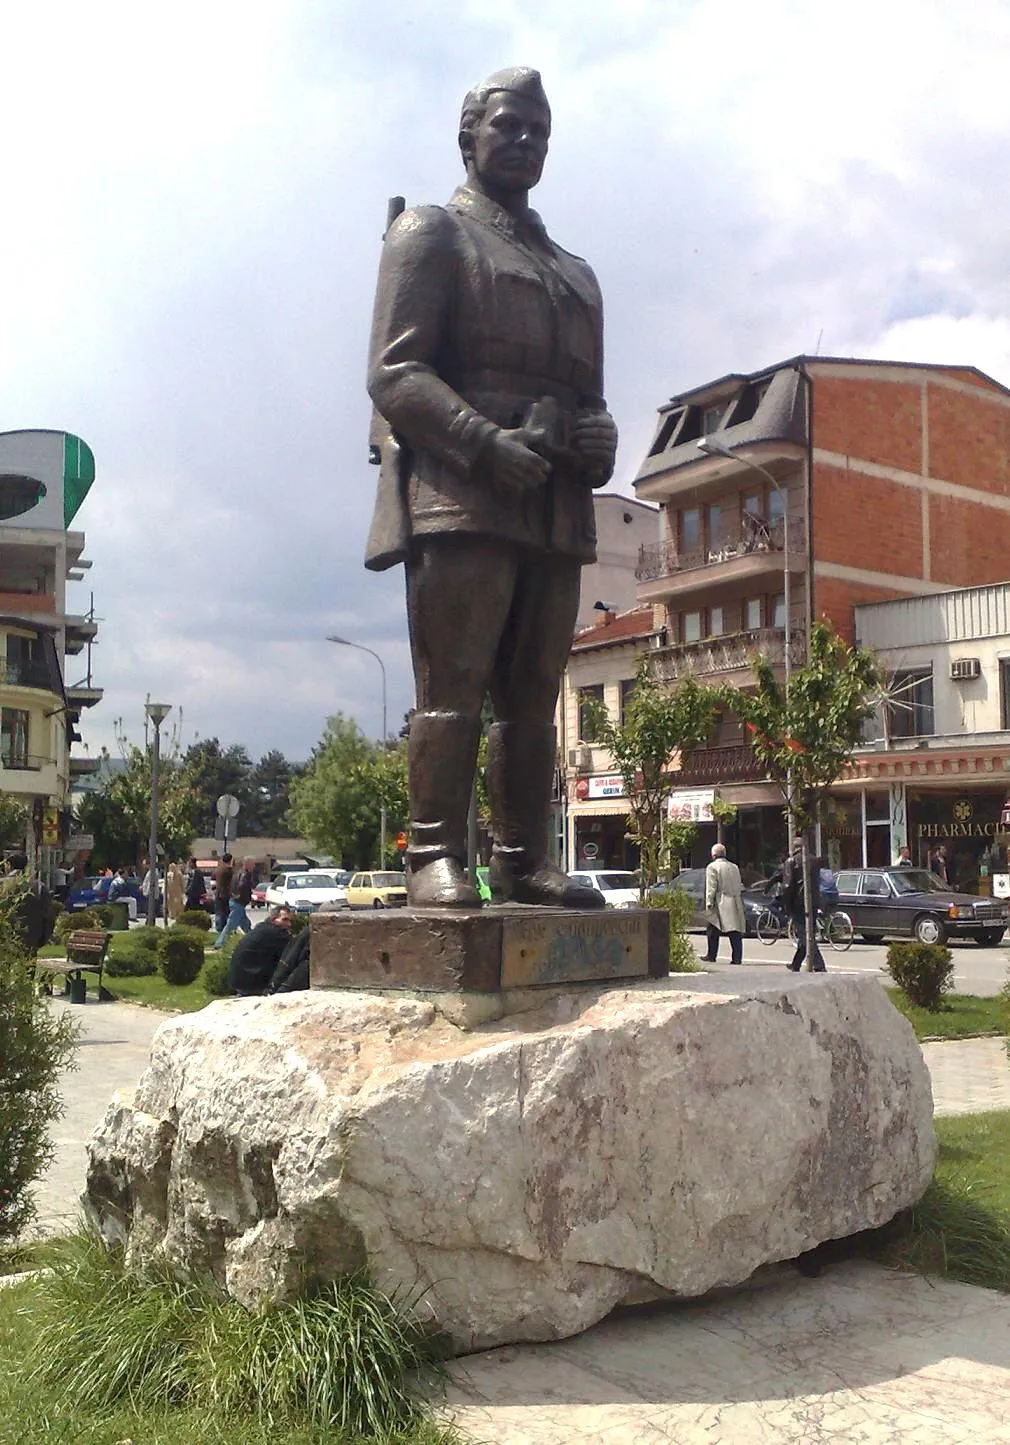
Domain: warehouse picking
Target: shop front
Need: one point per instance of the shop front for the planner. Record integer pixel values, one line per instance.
(598, 824)
(967, 826)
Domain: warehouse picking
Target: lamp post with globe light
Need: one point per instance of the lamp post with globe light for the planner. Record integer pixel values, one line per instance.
(157, 712)
(346, 642)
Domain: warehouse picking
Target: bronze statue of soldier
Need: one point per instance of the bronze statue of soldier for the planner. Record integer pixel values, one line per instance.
(487, 366)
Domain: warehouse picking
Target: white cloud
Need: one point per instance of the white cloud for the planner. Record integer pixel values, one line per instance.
(194, 201)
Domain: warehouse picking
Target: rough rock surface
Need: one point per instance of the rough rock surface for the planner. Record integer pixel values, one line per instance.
(613, 1146)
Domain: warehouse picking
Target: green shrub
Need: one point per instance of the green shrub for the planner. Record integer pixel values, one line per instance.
(347, 1363)
(194, 918)
(680, 908)
(136, 956)
(68, 923)
(299, 922)
(214, 976)
(35, 1044)
(923, 971)
(104, 914)
(180, 955)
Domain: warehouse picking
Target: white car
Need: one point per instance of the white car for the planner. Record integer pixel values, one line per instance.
(618, 886)
(306, 890)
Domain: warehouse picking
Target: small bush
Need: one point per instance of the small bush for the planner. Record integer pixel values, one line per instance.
(215, 974)
(679, 905)
(136, 956)
(104, 914)
(348, 1362)
(923, 971)
(68, 923)
(35, 1044)
(194, 918)
(180, 955)
(299, 922)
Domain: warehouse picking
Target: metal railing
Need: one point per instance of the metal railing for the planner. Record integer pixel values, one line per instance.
(731, 652)
(720, 765)
(17, 762)
(27, 674)
(753, 536)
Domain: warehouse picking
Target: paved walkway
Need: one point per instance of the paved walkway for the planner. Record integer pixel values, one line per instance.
(859, 1354)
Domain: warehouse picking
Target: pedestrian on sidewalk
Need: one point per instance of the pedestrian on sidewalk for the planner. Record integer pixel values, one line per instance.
(795, 904)
(724, 905)
(223, 875)
(241, 896)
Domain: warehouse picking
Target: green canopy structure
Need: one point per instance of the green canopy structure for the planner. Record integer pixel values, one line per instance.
(78, 474)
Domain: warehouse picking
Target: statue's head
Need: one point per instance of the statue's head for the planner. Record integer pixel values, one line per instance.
(504, 129)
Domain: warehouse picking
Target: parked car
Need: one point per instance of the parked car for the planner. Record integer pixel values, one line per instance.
(86, 893)
(307, 889)
(619, 886)
(692, 882)
(259, 893)
(913, 903)
(377, 890)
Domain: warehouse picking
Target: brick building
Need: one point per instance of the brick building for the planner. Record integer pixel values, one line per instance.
(891, 480)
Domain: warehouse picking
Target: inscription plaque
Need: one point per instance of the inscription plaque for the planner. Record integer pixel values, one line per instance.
(573, 949)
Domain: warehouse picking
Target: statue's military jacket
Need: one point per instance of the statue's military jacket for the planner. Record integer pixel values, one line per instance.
(477, 317)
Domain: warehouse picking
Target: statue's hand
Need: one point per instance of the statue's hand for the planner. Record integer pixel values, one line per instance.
(594, 437)
(513, 462)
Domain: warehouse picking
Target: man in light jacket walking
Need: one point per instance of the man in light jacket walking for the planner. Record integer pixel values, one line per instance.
(724, 905)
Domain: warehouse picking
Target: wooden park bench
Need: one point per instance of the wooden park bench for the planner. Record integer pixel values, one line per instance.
(86, 950)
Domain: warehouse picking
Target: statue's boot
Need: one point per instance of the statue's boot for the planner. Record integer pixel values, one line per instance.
(441, 758)
(520, 768)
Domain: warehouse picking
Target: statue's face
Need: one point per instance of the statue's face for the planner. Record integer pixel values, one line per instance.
(510, 144)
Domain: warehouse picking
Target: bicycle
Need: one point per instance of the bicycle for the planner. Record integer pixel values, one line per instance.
(834, 928)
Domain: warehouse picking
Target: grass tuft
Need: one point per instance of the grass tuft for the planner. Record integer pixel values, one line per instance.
(348, 1361)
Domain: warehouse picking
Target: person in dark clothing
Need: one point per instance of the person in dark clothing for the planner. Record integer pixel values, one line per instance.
(258, 953)
(222, 891)
(292, 973)
(196, 885)
(792, 898)
(33, 914)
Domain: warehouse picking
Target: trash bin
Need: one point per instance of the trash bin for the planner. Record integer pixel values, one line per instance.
(78, 990)
(119, 919)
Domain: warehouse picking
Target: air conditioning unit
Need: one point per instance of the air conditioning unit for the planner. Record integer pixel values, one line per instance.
(581, 759)
(963, 669)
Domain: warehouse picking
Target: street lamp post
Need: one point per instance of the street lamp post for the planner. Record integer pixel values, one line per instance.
(717, 448)
(346, 642)
(157, 712)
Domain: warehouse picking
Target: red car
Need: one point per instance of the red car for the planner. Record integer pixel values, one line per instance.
(259, 894)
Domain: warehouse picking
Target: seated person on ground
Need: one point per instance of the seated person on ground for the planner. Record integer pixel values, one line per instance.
(252, 965)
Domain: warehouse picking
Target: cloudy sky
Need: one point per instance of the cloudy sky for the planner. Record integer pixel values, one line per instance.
(194, 198)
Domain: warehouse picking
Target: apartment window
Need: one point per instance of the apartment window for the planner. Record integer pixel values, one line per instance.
(690, 627)
(1004, 693)
(716, 622)
(776, 504)
(713, 526)
(753, 504)
(589, 698)
(711, 419)
(14, 737)
(690, 529)
(627, 688)
(910, 704)
(752, 614)
(779, 611)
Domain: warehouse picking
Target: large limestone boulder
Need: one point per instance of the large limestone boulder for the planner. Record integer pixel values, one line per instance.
(612, 1146)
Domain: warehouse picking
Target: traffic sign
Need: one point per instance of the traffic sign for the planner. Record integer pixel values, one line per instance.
(228, 806)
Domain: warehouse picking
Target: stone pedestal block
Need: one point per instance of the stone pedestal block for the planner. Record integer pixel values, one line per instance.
(618, 1144)
(487, 950)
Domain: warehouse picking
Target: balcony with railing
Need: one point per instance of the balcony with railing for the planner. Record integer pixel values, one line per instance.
(744, 554)
(708, 766)
(720, 657)
(13, 760)
(28, 674)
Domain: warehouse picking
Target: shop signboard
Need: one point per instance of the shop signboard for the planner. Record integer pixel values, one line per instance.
(607, 785)
(1001, 885)
(690, 805)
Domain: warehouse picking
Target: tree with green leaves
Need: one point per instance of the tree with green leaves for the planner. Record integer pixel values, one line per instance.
(119, 815)
(213, 770)
(13, 821)
(659, 721)
(804, 739)
(337, 800)
(269, 796)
